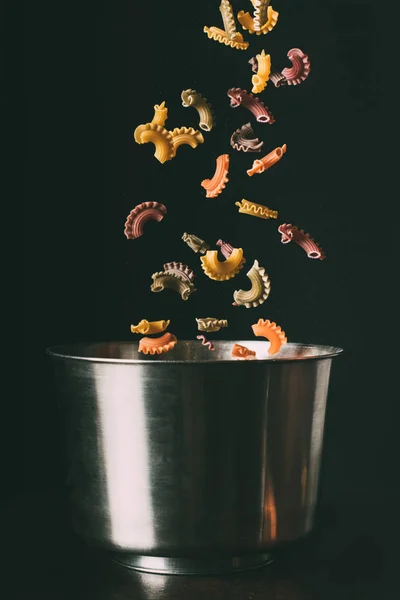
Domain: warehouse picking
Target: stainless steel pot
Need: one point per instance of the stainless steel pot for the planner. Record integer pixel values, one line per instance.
(192, 461)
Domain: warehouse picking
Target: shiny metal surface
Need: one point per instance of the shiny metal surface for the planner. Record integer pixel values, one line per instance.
(192, 454)
(193, 566)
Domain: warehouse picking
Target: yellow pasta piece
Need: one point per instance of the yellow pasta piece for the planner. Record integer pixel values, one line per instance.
(222, 271)
(219, 35)
(149, 327)
(186, 135)
(259, 291)
(256, 210)
(160, 137)
(196, 100)
(259, 79)
(160, 114)
(166, 142)
(247, 21)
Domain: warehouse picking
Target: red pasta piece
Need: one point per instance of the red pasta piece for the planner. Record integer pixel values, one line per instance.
(226, 248)
(239, 97)
(300, 68)
(140, 215)
(291, 233)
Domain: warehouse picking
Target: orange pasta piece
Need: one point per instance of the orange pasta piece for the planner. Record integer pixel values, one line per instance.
(158, 345)
(215, 185)
(272, 332)
(262, 164)
(239, 351)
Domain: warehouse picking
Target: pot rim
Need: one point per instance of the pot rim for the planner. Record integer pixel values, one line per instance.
(290, 352)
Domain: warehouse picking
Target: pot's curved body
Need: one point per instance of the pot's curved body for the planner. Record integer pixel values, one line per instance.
(192, 456)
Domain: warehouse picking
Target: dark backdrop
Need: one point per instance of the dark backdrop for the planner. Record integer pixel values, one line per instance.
(92, 74)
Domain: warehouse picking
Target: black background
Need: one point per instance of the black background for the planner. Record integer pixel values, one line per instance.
(92, 73)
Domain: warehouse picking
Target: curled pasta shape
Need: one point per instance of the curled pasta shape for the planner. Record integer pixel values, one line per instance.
(228, 19)
(260, 13)
(272, 332)
(186, 135)
(205, 342)
(226, 249)
(222, 271)
(210, 324)
(262, 164)
(239, 97)
(256, 210)
(243, 139)
(251, 24)
(196, 100)
(195, 243)
(290, 233)
(277, 79)
(165, 142)
(160, 114)
(150, 327)
(160, 137)
(165, 343)
(219, 35)
(300, 68)
(242, 352)
(163, 280)
(140, 215)
(254, 64)
(180, 270)
(259, 291)
(259, 79)
(219, 180)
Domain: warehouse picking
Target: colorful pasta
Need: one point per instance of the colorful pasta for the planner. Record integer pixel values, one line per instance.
(159, 345)
(228, 19)
(242, 352)
(239, 97)
(215, 185)
(264, 19)
(226, 249)
(205, 342)
(259, 291)
(300, 69)
(229, 35)
(259, 79)
(163, 280)
(160, 114)
(149, 327)
(222, 271)
(165, 142)
(150, 133)
(140, 215)
(304, 240)
(192, 98)
(262, 164)
(272, 332)
(243, 139)
(256, 210)
(210, 324)
(195, 243)
(180, 270)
